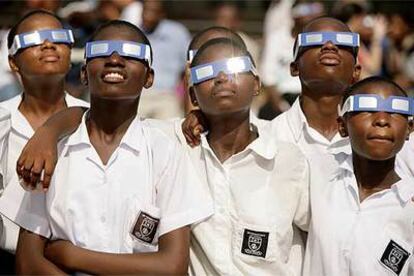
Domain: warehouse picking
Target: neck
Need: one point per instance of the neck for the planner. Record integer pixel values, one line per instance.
(321, 110)
(112, 117)
(229, 134)
(373, 176)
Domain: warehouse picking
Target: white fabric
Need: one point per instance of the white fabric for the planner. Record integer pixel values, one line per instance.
(95, 206)
(291, 126)
(404, 164)
(132, 13)
(20, 133)
(347, 237)
(263, 188)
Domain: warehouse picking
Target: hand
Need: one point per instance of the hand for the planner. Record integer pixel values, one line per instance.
(38, 160)
(380, 28)
(192, 127)
(62, 253)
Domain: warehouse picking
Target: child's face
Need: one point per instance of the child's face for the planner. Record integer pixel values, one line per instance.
(51, 59)
(328, 63)
(116, 76)
(376, 135)
(225, 94)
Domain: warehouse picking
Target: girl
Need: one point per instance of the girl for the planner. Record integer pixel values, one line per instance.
(363, 219)
(39, 52)
(123, 194)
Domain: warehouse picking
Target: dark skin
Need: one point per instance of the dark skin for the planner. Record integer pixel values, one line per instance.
(41, 68)
(152, 13)
(39, 154)
(324, 71)
(114, 103)
(376, 138)
(225, 101)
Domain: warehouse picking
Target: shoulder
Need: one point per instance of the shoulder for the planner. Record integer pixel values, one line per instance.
(11, 104)
(175, 29)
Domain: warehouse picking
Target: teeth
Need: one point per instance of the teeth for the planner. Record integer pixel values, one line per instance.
(114, 76)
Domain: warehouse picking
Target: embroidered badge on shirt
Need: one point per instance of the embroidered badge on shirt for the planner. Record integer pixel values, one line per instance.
(394, 257)
(145, 227)
(255, 243)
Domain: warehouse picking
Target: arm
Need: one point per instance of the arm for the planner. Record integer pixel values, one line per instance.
(171, 258)
(193, 125)
(30, 258)
(40, 151)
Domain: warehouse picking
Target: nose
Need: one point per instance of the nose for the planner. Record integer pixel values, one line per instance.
(115, 60)
(222, 78)
(47, 45)
(329, 45)
(381, 119)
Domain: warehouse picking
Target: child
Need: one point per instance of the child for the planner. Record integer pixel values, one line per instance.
(39, 52)
(123, 194)
(363, 220)
(258, 208)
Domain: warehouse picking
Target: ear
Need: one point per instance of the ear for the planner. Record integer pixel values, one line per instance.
(342, 129)
(294, 69)
(356, 73)
(193, 97)
(84, 75)
(12, 64)
(257, 86)
(150, 78)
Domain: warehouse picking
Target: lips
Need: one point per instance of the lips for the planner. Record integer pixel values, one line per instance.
(330, 59)
(49, 58)
(381, 138)
(114, 76)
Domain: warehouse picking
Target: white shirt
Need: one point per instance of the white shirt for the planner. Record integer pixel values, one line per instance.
(146, 190)
(404, 163)
(20, 133)
(291, 126)
(373, 237)
(5, 123)
(260, 199)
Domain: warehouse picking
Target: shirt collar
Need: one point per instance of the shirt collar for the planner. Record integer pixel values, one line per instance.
(131, 139)
(296, 119)
(403, 188)
(265, 145)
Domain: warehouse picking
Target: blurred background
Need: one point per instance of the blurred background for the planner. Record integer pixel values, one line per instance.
(269, 29)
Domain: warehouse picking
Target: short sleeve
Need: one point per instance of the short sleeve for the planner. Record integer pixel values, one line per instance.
(181, 196)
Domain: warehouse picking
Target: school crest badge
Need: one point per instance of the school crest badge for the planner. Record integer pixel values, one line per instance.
(145, 227)
(394, 257)
(255, 243)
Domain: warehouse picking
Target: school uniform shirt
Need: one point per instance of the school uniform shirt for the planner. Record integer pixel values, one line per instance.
(5, 123)
(349, 237)
(20, 133)
(261, 201)
(292, 126)
(146, 189)
(404, 163)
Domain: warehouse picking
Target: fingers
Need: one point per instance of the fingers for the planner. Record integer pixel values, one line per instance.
(47, 173)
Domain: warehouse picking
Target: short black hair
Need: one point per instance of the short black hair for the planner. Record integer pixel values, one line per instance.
(231, 34)
(13, 30)
(121, 24)
(225, 42)
(351, 90)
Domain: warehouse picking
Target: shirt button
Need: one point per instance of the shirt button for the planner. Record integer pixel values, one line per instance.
(103, 219)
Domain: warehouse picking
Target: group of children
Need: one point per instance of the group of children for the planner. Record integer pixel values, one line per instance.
(102, 191)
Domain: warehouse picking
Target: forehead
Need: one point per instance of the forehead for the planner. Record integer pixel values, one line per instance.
(38, 22)
(218, 52)
(118, 33)
(326, 25)
(383, 89)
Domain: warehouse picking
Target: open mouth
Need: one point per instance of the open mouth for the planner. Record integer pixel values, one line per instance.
(113, 77)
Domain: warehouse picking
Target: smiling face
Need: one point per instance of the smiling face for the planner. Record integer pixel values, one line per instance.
(376, 135)
(116, 76)
(47, 59)
(225, 94)
(326, 65)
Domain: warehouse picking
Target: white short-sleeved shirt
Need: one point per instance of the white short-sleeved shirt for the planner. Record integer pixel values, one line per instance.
(292, 126)
(260, 200)
(404, 163)
(374, 237)
(146, 189)
(20, 133)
